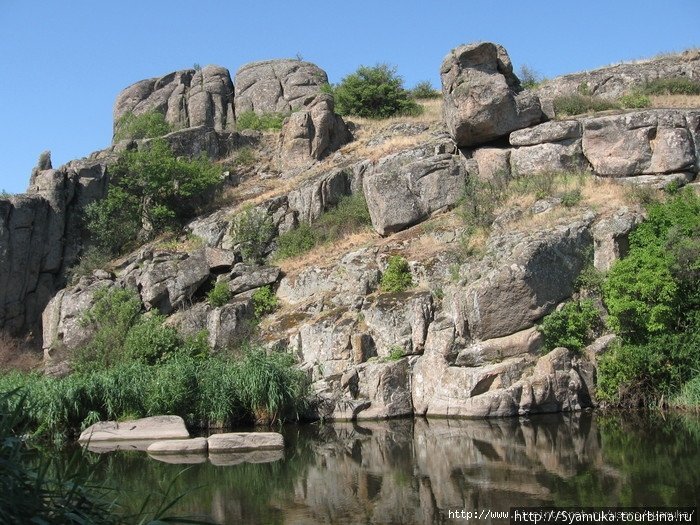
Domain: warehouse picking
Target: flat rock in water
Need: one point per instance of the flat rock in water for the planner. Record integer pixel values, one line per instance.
(149, 428)
(179, 446)
(180, 459)
(227, 459)
(245, 441)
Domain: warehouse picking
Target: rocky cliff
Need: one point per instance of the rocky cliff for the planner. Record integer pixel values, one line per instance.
(462, 341)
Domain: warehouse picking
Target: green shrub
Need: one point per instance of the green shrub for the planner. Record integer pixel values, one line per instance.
(672, 86)
(653, 300)
(649, 292)
(264, 122)
(219, 295)
(424, 90)
(92, 259)
(295, 242)
(244, 157)
(252, 229)
(264, 301)
(641, 374)
(144, 126)
(150, 341)
(4, 194)
(571, 198)
(480, 199)
(374, 92)
(578, 104)
(635, 100)
(111, 316)
(151, 191)
(573, 326)
(397, 276)
(349, 215)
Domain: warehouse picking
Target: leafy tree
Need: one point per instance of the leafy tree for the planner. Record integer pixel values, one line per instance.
(151, 190)
(424, 90)
(373, 92)
(571, 327)
(252, 230)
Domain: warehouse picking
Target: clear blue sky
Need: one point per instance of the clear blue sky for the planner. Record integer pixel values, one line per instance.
(65, 61)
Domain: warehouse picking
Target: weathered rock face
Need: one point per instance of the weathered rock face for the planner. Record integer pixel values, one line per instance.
(405, 188)
(611, 237)
(614, 81)
(483, 99)
(311, 133)
(245, 441)
(642, 142)
(277, 86)
(186, 98)
(532, 276)
(40, 236)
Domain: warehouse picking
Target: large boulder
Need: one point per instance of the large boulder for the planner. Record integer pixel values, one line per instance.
(405, 188)
(311, 133)
(527, 277)
(277, 86)
(642, 142)
(483, 99)
(187, 98)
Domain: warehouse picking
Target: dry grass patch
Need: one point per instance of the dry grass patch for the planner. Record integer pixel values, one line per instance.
(675, 101)
(328, 254)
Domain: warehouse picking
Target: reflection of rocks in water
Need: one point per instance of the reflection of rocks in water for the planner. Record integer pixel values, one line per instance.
(415, 471)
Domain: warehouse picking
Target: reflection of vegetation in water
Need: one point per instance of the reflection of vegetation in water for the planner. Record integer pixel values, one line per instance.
(244, 493)
(649, 460)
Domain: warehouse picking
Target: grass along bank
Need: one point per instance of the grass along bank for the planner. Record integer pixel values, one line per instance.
(135, 366)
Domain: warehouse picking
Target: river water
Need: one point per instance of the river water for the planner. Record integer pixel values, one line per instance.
(417, 471)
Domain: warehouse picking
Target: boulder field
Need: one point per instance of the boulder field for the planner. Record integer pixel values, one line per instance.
(463, 341)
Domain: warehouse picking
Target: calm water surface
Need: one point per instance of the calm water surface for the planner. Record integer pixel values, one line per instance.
(417, 471)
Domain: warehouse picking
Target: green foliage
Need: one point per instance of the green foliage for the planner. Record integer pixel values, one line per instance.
(480, 200)
(244, 157)
(295, 242)
(4, 194)
(573, 326)
(264, 301)
(264, 122)
(92, 259)
(252, 229)
(144, 126)
(571, 198)
(640, 374)
(424, 90)
(653, 299)
(397, 276)
(150, 341)
(672, 86)
(578, 104)
(219, 295)
(655, 288)
(270, 388)
(151, 190)
(349, 215)
(689, 395)
(635, 100)
(396, 352)
(374, 92)
(112, 315)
